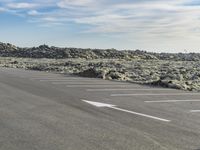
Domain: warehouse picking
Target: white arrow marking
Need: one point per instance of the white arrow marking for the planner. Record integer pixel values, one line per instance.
(98, 104)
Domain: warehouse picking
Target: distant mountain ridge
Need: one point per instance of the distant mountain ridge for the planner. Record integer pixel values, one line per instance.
(44, 51)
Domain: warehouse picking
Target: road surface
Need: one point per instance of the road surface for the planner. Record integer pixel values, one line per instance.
(47, 111)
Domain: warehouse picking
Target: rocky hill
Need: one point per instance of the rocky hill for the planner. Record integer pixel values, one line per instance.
(44, 51)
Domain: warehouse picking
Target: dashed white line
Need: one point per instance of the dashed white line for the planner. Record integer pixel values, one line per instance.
(172, 101)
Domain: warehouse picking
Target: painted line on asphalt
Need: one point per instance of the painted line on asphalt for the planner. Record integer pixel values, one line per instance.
(172, 101)
(161, 94)
(23, 76)
(111, 106)
(141, 114)
(48, 78)
(194, 111)
(58, 78)
(33, 74)
(41, 76)
(70, 80)
(79, 83)
(148, 89)
(97, 86)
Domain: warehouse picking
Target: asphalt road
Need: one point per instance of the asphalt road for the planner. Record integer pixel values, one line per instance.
(46, 111)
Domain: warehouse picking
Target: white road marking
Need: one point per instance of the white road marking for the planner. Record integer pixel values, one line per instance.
(96, 85)
(194, 111)
(135, 89)
(79, 83)
(161, 94)
(22, 76)
(58, 78)
(69, 80)
(54, 79)
(98, 104)
(43, 78)
(172, 101)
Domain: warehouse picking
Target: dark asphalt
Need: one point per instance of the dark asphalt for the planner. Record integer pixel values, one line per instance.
(45, 111)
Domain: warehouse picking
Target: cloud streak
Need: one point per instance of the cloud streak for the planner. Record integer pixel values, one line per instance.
(68, 3)
(21, 5)
(147, 19)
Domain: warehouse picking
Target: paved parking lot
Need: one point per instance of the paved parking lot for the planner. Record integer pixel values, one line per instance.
(109, 114)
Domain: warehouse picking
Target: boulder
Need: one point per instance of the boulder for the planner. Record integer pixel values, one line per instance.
(91, 72)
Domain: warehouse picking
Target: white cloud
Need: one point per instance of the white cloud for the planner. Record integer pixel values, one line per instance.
(33, 13)
(68, 3)
(22, 5)
(2, 9)
(51, 24)
(148, 18)
(158, 18)
(145, 19)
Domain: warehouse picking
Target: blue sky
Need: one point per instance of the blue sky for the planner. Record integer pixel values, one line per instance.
(153, 25)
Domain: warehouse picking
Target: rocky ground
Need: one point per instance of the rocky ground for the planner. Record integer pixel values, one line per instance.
(173, 74)
(180, 71)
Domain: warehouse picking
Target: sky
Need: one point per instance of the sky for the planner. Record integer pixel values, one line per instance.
(152, 25)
